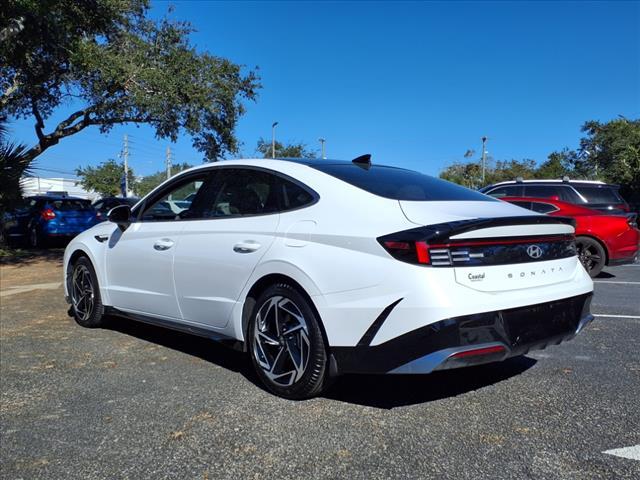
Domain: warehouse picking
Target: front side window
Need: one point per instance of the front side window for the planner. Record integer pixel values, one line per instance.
(176, 203)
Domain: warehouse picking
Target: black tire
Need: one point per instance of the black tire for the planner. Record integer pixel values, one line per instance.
(35, 238)
(4, 238)
(84, 292)
(275, 350)
(591, 254)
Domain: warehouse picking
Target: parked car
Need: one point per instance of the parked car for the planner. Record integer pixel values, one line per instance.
(103, 205)
(318, 268)
(42, 218)
(591, 194)
(601, 239)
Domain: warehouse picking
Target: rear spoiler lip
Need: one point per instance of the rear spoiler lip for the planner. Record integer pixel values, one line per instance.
(441, 232)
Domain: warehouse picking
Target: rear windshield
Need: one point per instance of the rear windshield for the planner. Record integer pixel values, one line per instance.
(68, 205)
(400, 184)
(599, 194)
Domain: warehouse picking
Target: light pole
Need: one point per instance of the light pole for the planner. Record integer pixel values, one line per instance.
(273, 139)
(484, 157)
(322, 140)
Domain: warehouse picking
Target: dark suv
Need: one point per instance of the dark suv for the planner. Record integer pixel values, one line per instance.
(591, 194)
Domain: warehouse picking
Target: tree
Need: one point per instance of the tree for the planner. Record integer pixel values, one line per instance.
(292, 150)
(611, 152)
(117, 66)
(105, 179)
(510, 170)
(557, 165)
(148, 183)
(467, 174)
(13, 166)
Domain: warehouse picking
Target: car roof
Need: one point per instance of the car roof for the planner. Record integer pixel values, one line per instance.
(554, 181)
(274, 163)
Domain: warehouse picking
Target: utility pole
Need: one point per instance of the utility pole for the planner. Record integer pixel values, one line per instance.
(125, 157)
(168, 162)
(273, 139)
(484, 157)
(322, 140)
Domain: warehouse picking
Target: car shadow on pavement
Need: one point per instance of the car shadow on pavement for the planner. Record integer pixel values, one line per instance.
(605, 275)
(390, 391)
(204, 348)
(379, 391)
(25, 256)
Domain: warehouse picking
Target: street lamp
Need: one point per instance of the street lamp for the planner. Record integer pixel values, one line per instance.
(484, 157)
(273, 139)
(322, 140)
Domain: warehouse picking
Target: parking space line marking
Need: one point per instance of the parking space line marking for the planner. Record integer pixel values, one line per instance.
(616, 316)
(28, 288)
(612, 281)
(632, 453)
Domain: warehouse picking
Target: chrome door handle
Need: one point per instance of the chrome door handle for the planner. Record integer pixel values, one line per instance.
(247, 246)
(163, 244)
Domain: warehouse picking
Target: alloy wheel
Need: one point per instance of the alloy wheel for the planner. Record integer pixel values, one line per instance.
(82, 293)
(281, 341)
(589, 256)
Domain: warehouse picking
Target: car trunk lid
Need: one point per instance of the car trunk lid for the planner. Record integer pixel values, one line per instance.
(493, 247)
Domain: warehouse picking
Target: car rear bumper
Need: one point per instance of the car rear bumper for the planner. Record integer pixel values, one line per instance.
(470, 339)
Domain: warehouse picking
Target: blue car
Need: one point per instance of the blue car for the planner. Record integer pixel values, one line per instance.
(46, 217)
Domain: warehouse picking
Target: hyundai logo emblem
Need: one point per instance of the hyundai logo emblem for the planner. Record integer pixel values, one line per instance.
(534, 251)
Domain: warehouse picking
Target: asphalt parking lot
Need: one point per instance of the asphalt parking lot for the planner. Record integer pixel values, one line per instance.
(135, 401)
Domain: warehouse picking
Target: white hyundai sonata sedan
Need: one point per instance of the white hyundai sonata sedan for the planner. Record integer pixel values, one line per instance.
(318, 268)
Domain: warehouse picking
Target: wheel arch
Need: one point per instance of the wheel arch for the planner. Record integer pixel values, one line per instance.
(260, 285)
(81, 250)
(601, 242)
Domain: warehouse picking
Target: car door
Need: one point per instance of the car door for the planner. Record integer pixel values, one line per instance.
(219, 250)
(139, 260)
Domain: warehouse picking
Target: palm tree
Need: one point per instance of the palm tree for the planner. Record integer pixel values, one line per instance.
(13, 165)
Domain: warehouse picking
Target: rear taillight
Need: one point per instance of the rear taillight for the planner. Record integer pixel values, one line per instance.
(409, 251)
(469, 253)
(48, 214)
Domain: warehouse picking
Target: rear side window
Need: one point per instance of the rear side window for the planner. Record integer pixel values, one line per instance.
(400, 184)
(543, 207)
(559, 192)
(526, 205)
(243, 192)
(599, 194)
(506, 191)
(293, 195)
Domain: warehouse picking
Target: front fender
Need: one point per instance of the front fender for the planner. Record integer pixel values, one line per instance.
(87, 245)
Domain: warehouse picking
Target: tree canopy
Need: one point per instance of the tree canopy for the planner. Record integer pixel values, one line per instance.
(292, 150)
(105, 179)
(114, 65)
(144, 185)
(608, 151)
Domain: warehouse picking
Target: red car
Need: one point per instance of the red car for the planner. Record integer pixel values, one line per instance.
(601, 239)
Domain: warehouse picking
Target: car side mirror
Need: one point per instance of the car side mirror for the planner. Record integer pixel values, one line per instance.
(121, 216)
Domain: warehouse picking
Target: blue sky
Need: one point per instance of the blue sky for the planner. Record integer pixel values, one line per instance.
(416, 84)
